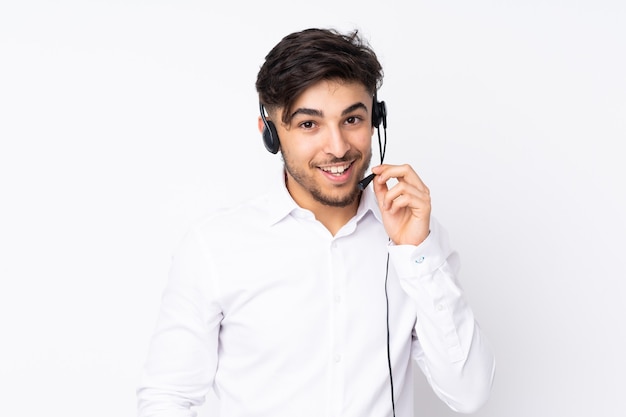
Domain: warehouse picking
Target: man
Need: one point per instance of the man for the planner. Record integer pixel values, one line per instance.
(314, 299)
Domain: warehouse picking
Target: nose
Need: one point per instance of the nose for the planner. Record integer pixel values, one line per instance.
(336, 143)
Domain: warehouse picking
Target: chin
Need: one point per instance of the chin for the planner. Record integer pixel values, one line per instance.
(341, 200)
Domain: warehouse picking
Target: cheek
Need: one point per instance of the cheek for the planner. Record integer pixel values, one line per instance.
(300, 154)
(303, 147)
(364, 141)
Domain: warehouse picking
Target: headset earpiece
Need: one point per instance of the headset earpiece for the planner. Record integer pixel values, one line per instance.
(379, 113)
(270, 135)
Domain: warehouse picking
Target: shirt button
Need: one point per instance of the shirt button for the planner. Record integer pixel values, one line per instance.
(337, 299)
(440, 307)
(337, 358)
(419, 260)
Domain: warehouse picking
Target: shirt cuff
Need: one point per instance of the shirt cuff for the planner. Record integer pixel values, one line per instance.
(424, 259)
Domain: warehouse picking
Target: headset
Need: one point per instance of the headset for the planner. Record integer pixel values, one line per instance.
(379, 116)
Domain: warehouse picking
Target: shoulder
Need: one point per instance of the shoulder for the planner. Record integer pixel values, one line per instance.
(249, 214)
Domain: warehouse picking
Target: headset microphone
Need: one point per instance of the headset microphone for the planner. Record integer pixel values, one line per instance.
(365, 181)
(379, 115)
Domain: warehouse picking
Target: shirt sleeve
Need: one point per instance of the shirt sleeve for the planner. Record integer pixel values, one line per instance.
(182, 357)
(449, 346)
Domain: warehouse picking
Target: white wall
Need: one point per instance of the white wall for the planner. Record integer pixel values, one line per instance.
(123, 121)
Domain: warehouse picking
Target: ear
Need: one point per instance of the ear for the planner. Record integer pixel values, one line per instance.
(261, 125)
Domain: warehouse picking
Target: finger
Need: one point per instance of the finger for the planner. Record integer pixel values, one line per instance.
(386, 171)
(402, 189)
(380, 190)
(415, 202)
(402, 173)
(394, 193)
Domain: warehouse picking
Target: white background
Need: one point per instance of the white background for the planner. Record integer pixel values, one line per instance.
(121, 122)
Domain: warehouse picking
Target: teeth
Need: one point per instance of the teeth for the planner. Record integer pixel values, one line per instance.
(336, 169)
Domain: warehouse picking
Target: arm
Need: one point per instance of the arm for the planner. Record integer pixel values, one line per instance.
(182, 357)
(450, 347)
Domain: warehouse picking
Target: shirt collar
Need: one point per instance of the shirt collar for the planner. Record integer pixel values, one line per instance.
(280, 204)
(279, 201)
(368, 204)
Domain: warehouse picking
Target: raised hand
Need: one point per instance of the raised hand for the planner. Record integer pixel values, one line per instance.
(405, 207)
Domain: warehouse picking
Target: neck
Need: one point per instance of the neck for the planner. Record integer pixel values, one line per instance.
(332, 217)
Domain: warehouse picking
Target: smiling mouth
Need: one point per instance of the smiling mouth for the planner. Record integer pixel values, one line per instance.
(337, 170)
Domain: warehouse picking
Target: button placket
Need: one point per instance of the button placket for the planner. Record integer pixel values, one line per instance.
(338, 285)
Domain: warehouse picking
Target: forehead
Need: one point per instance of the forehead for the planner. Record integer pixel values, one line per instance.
(331, 97)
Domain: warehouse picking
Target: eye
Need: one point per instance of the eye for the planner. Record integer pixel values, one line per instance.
(353, 120)
(307, 125)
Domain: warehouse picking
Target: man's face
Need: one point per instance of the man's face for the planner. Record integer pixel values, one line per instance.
(326, 147)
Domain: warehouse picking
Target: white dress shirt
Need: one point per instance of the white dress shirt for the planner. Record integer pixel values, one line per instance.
(281, 318)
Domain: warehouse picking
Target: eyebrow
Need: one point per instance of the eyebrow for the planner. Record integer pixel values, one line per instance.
(319, 113)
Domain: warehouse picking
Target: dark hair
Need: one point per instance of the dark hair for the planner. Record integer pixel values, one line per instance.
(304, 58)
